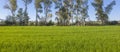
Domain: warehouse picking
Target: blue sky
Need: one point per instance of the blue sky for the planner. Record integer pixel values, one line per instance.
(115, 14)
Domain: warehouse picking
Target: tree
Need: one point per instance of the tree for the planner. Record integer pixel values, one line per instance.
(9, 20)
(69, 5)
(78, 11)
(58, 5)
(98, 5)
(26, 3)
(12, 6)
(102, 14)
(71, 9)
(20, 17)
(81, 11)
(47, 8)
(63, 11)
(109, 7)
(64, 15)
(38, 7)
(84, 11)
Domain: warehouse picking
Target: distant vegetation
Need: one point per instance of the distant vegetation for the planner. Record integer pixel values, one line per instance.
(68, 12)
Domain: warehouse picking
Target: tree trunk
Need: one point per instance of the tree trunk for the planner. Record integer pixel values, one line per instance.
(72, 20)
(46, 15)
(13, 18)
(102, 21)
(36, 18)
(25, 14)
(84, 23)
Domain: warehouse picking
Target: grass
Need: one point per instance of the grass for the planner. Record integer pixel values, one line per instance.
(60, 39)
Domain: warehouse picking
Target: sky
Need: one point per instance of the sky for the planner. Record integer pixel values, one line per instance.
(114, 15)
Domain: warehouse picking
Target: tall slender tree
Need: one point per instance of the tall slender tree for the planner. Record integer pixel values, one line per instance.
(81, 11)
(20, 17)
(38, 7)
(98, 5)
(102, 13)
(109, 7)
(63, 11)
(71, 9)
(47, 8)
(12, 6)
(58, 5)
(68, 7)
(26, 3)
(84, 12)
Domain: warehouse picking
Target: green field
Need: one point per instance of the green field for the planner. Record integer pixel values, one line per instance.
(60, 39)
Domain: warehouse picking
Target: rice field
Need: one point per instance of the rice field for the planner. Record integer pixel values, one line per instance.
(59, 39)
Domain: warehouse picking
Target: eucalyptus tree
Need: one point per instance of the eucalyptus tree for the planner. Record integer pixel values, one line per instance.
(63, 12)
(12, 6)
(109, 7)
(47, 8)
(38, 7)
(84, 11)
(69, 6)
(71, 9)
(58, 5)
(98, 5)
(78, 11)
(26, 3)
(101, 12)
(20, 17)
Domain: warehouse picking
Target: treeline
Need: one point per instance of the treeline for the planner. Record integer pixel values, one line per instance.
(68, 12)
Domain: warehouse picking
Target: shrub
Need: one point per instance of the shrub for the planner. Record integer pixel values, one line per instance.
(113, 23)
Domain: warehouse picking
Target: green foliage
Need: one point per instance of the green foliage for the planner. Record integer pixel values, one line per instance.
(113, 23)
(26, 17)
(27, 1)
(38, 7)
(50, 23)
(60, 39)
(101, 13)
(67, 11)
(47, 8)
(20, 17)
(110, 7)
(9, 20)
(13, 4)
(63, 13)
(81, 11)
(37, 3)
